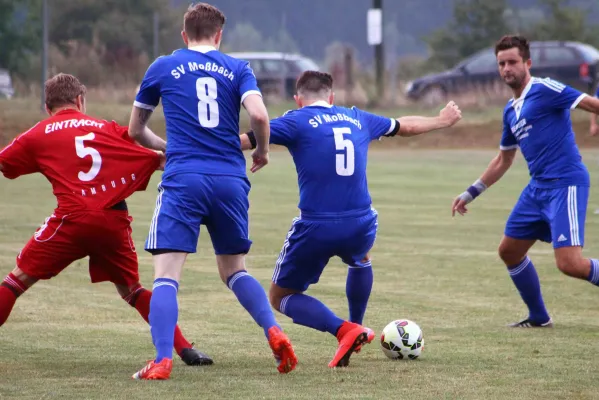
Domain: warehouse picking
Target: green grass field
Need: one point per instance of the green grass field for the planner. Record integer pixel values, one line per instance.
(70, 339)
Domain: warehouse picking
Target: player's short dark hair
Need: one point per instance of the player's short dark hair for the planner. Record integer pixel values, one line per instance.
(202, 21)
(510, 41)
(314, 82)
(62, 90)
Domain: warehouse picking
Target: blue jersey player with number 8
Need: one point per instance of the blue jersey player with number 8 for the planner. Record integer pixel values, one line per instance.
(329, 146)
(204, 180)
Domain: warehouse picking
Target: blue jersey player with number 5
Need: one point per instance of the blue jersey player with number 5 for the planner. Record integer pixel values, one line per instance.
(329, 146)
(552, 207)
(204, 180)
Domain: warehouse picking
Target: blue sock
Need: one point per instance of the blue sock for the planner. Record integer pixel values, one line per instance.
(252, 297)
(310, 312)
(164, 312)
(594, 274)
(527, 282)
(357, 289)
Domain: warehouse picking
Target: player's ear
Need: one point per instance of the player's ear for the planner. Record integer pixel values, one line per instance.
(218, 38)
(529, 63)
(298, 100)
(332, 97)
(185, 38)
(48, 111)
(80, 103)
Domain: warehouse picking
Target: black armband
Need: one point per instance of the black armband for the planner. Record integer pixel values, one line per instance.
(252, 138)
(395, 130)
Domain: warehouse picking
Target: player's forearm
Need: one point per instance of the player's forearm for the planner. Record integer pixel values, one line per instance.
(590, 104)
(245, 141)
(139, 131)
(259, 120)
(261, 128)
(415, 125)
(495, 171)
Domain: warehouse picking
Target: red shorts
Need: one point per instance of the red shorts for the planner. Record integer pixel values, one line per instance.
(103, 235)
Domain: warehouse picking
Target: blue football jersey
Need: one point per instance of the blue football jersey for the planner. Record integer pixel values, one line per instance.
(329, 146)
(597, 93)
(539, 123)
(201, 90)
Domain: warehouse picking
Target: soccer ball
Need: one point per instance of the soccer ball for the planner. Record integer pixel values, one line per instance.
(402, 339)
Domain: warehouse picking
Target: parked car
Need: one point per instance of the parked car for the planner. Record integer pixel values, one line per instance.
(6, 89)
(276, 72)
(573, 63)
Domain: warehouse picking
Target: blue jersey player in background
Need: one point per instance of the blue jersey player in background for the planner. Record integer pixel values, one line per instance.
(552, 207)
(594, 117)
(329, 146)
(204, 180)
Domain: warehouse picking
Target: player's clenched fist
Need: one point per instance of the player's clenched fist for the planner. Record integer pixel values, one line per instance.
(451, 114)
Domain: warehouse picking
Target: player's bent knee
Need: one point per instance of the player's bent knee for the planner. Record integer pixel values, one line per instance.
(276, 294)
(570, 262)
(23, 277)
(229, 264)
(509, 255)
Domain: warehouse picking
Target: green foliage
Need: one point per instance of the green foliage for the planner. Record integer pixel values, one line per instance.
(565, 23)
(19, 32)
(476, 24)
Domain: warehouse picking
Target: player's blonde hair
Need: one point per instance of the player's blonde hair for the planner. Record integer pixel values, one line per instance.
(62, 90)
(202, 21)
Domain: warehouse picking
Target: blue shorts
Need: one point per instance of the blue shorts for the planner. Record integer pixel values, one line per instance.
(551, 215)
(310, 244)
(186, 201)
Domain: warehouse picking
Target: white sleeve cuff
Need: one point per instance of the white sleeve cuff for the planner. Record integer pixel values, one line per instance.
(514, 146)
(246, 94)
(577, 101)
(144, 106)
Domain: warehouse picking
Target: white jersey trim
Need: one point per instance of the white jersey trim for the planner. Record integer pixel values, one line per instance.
(249, 92)
(514, 146)
(144, 106)
(320, 103)
(577, 101)
(203, 48)
(393, 125)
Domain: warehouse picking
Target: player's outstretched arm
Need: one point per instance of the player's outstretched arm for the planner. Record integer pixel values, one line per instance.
(591, 104)
(413, 126)
(496, 169)
(246, 143)
(139, 131)
(260, 125)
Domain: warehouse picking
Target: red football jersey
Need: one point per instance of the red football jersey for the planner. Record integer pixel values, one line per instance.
(91, 163)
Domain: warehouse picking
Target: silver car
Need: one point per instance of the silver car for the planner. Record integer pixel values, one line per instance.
(277, 72)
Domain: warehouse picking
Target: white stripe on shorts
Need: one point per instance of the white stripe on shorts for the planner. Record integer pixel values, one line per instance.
(277, 271)
(573, 216)
(152, 236)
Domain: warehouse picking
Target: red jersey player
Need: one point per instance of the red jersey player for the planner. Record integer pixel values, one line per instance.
(93, 167)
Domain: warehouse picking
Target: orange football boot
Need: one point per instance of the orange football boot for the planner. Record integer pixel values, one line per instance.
(155, 371)
(351, 337)
(282, 350)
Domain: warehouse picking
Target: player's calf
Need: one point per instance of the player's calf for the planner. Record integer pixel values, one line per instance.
(14, 285)
(570, 261)
(139, 298)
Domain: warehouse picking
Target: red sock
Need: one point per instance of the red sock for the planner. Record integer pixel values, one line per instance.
(10, 289)
(141, 301)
